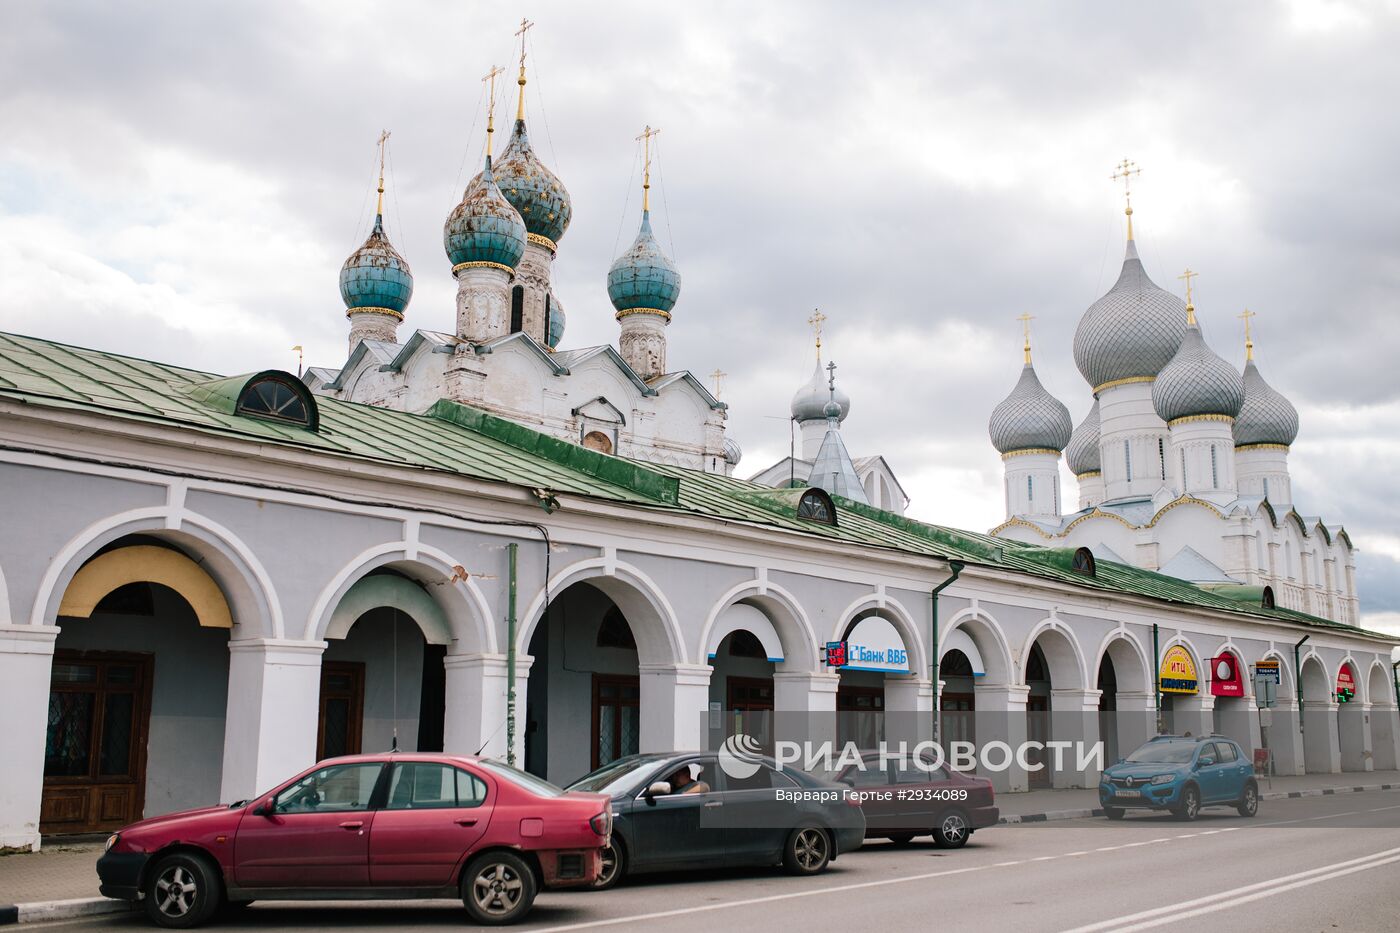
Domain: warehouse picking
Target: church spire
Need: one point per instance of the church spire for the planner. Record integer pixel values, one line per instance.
(1025, 320)
(379, 205)
(1126, 170)
(490, 77)
(645, 139)
(1248, 341)
(1188, 275)
(525, 25)
(816, 321)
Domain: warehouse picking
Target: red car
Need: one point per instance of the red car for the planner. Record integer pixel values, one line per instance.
(367, 826)
(902, 800)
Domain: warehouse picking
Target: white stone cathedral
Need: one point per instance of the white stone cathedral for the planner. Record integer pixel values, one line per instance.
(1181, 462)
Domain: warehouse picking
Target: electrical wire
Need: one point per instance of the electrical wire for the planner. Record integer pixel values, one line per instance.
(452, 196)
(661, 183)
(627, 198)
(539, 96)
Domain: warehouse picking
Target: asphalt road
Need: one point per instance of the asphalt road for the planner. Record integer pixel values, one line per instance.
(1312, 864)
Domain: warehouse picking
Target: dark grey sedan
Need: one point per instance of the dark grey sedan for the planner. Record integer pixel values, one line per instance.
(674, 810)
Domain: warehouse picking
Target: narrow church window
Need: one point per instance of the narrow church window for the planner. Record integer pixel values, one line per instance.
(1266, 487)
(517, 309)
(1184, 483)
(1030, 491)
(1128, 458)
(1162, 457)
(548, 316)
(1214, 470)
(1056, 487)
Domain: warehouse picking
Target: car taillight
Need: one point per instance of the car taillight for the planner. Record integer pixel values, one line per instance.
(852, 800)
(602, 823)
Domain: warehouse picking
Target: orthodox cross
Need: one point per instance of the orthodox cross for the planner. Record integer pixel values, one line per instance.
(1126, 170)
(525, 25)
(490, 76)
(383, 141)
(645, 140)
(1188, 275)
(718, 377)
(1248, 343)
(816, 321)
(298, 350)
(1025, 320)
(831, 378)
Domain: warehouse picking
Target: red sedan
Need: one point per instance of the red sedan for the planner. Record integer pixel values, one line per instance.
(367, 826)
(902, 800)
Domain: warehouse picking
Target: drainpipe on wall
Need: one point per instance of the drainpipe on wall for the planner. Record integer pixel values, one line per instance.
(956, 566)
(511, 549)
(1395, 676)
(1298, 681)
(1157, 676)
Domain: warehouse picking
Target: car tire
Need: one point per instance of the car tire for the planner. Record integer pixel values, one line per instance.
(498, 888)
(808, 850)
(1114, 813)
(183, 891)
(1249, 800)
(614, 866)
(1190, 806)
(953, 831)
(901, 839)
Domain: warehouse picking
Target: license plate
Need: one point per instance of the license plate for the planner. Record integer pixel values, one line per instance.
(1127, 793)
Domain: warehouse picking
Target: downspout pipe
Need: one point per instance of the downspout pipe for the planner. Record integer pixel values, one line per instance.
(1157, 675)
(1298, 681)
(513, 550)
(956, 568)
(1395, 677)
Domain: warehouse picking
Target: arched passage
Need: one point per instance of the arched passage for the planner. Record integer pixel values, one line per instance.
(1385, 721)
(885, 659)
(1353, 737)
(1321, 749)
(1126, 719)
(1234, 710)
(1056, 702)
(1185, 708)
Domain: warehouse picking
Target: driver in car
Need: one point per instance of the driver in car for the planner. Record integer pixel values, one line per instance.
(686, 780)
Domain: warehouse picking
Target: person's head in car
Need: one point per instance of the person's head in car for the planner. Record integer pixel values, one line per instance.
(685, 780)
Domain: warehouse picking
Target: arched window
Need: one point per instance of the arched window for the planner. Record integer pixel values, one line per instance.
(817, 506)
(1184, 482)
(517, 309)
(1128, 459)
(548, 319)
(1162, 457)
(597, 440)
(277, 396)
(1084, 562)
(1266, 487)
(615, 632)
(1030, 491)
(1214, 469)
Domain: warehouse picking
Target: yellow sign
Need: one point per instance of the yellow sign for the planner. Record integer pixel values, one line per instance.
(1178, 672)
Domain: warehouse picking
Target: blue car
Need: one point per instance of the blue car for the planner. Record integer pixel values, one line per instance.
(1181, 773)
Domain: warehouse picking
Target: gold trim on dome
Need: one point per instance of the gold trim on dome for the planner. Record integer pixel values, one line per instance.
(631, 311)
(544, 241)
(1029, 450)
(387, 312)
(1114, 383)
(1266, 446)
(1088, 475)
(1188, 419)
(482, 264)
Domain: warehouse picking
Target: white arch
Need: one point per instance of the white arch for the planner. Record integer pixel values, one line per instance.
(898, 616)
(230, 561)
(1136, 652)
(1356, 676)
(800, 651)
(633, 592)
(989, 637)
(467, 611)
(1240, 665)
(1312, 661)
(1286, 687)
(1056, 658)
(1387, 684)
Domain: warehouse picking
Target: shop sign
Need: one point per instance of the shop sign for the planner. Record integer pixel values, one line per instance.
(1346, 685)
(1225, 679)
(874, 645)
(1178, 672)
(1268, 669)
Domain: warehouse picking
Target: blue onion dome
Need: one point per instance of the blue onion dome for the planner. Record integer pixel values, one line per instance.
(1082, 454)
(1197, 382)
(532, 189)
(1030, 418)
(557, 320)
(643, 279)
(376, 277)
(733, 453)
(809, 404)
(1132, 331)
(1266, 417)
(484, 227)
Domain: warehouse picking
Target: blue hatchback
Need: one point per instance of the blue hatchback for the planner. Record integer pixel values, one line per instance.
(1181, 773)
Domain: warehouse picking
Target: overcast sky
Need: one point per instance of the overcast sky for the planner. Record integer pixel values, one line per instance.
(181, 181)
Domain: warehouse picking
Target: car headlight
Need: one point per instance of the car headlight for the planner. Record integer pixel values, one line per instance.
(111, 841)
(1164, 779)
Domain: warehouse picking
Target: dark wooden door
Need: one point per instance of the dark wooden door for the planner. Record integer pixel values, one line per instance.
(95, 751)
(616, 712)
(860, 715)
(1038, 730)
(750, 709)
(342, 709)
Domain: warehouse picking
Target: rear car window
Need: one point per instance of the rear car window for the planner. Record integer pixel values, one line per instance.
(423, 785)
(535, 785)
(1225, 752)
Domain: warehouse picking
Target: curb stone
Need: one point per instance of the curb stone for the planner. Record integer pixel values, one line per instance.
(1085, 813)
(35, 911)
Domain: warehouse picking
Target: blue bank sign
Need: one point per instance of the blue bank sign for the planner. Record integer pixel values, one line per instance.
(874, 645)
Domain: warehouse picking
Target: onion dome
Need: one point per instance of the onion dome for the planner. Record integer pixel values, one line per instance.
(1132, 331)
(733, 453)
(1197, 382)
(643, 279)
(557, 320)
(809, 404)
(532, 189)
(484, 227)
(376, 277)
(1030, 418)
(1082, 454)
(1266, 417)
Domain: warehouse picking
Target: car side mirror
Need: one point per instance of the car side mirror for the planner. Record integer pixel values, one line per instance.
(264, 808)
(658, 789)
(1205, 762)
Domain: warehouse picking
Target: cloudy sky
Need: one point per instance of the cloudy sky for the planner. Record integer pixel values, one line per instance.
(181, 181)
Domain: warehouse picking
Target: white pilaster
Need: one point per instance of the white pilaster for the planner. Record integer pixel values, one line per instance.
(1074, 718)
(908, 710)
(1321, 749)
(1283, 738)
(476, 701)
(675, 701)
(26, 663)
(1001, 717)
(1354, 737)
(1384, 723)
(274, 691)
(804, 706)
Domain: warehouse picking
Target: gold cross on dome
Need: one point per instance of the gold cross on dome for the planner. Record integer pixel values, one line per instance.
(490, 76)
(1188, 275)
(1025, 320)
(1126, 170)
(1248, 343)
(383, 141)
(816, 321)
(525, 25)
(718, 377)
(645, 139)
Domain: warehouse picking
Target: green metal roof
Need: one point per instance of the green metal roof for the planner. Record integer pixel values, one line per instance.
(455, 438)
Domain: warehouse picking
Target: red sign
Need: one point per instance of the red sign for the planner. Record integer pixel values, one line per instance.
(1346, 684)
(1225, 679)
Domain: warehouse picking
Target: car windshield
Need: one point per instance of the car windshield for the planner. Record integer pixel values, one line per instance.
(1174, 753)
(619, 777)
(535, 785)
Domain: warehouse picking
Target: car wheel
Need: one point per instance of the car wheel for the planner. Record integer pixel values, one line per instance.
(807, 851)
(901, 839)
(953, 831)
(613, 868)
(1114, 813)
(1190, 806)
(183, 891)
(1249, 803)
(498, 887)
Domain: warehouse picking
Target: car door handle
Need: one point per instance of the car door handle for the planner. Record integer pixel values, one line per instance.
(466, 821)
(714, 803)
(352, 824)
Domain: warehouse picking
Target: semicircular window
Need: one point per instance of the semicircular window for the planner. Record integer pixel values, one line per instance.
(275, 398)
(817, 506)
(1084, 562)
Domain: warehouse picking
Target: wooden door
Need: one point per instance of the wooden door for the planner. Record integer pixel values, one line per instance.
(95, 751)
(750, 706)
(860, 715)
(616, 723)
(342, 712)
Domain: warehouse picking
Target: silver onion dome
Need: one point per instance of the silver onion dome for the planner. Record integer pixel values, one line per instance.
(1132, 331)
(1197, 382)
(1266, 417)
(809, 404)
(733, 453)
(1030, 418)
(1082, 454)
